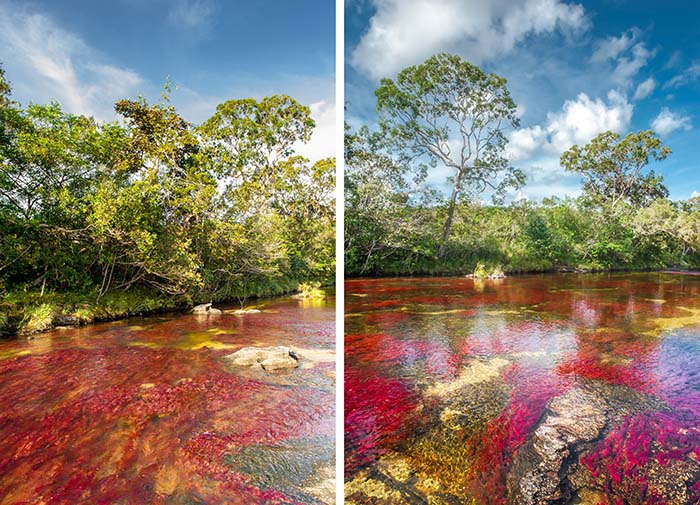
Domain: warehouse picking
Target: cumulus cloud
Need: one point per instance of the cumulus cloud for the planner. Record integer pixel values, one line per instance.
(405, 32)
(577, 122)
(49, 63)
(322, 143)
(537, 149)
(667, 122)
(645, 89)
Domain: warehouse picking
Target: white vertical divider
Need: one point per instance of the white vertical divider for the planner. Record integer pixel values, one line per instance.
(339, 246)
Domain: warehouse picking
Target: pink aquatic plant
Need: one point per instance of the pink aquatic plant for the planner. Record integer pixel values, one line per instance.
(378, 413)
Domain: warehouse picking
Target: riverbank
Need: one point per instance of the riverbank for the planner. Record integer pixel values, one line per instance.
(461, 272)
(25, 313)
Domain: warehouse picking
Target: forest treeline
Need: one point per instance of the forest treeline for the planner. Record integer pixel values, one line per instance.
(101, 219)
(448, 113)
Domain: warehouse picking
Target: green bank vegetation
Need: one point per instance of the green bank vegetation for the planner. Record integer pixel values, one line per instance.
(105, 219)
(448, 114)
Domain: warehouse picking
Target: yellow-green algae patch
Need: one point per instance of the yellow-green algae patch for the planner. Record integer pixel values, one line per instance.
(190, 342)
(441, 461)
(13, 353)
(663, 324)
(371, 488)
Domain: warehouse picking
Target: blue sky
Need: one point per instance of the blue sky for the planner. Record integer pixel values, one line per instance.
(87, 54)
(574, 68)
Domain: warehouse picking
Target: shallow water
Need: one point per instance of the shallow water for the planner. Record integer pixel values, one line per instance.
(148, 411)
(459, 390)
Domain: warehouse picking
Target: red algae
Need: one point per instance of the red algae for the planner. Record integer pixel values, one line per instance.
(377, 415)
(86, 417)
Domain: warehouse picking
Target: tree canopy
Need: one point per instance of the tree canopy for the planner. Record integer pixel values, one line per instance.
(448, 111)
(215, 211)
(612, 167)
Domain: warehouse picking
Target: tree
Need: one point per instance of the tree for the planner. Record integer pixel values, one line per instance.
(379, 221)
(613, 166)
(250, 140)
(451, 112)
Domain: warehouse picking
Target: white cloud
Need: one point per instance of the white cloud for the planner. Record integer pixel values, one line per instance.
(690, 74)
(45, 62)
(577, 123)
(694, 194)
(629, 66)
(405, 32)
(628, 56)
(667, 122)
(645, 89)
(322, 143)
(610, 48)
(191, 14)
(536, 149)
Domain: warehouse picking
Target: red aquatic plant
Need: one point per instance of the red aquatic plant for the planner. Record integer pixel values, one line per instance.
(493, 448)
(620, 462)
(379, 412)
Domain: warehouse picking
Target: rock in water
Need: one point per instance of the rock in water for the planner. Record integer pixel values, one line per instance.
(269, 358)
(205, 309)
(545, 469)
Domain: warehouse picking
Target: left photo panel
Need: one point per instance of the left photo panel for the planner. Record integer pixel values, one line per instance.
(167, 252)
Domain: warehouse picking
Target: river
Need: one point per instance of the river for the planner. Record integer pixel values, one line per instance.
(553, 388)
(148, 410)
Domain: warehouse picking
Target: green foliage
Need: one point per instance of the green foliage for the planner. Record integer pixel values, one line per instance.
(155, 204)
(480, 271)
(448, 111)
(612, 167)
(311, 290)
(557, 234)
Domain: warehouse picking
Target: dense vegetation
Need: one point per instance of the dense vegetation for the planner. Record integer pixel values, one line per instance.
(446, 112)
(107, 219)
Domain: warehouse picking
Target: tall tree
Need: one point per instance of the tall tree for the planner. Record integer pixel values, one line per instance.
(450, 112)
(613, 167)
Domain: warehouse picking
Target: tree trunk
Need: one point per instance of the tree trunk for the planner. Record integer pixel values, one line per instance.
(450, 215)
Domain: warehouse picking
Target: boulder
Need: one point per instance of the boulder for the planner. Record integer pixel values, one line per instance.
(269, 358)
(205, 309)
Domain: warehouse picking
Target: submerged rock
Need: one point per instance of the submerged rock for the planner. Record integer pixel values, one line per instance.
(269, 358)
(546, 468)
(243, 312)
(476, 372)
(205, 309)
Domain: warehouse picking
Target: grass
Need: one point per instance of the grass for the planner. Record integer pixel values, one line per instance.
(28, 312)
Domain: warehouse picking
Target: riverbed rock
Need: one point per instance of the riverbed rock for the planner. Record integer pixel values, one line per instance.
(205, 309)
(243, 312)
(269, 358)
(545, 469)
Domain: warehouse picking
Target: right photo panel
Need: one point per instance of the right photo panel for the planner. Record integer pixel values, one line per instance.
(522, 252)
